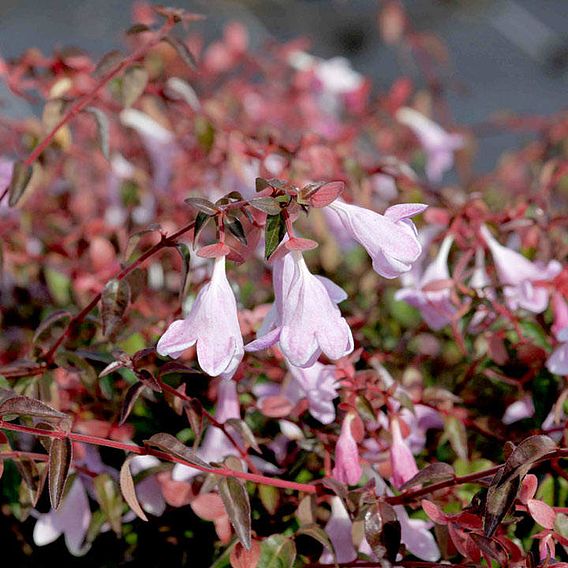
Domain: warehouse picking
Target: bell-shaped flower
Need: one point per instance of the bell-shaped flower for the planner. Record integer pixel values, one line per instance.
(390, 239)
(318, 384)
(6, 168)
(435, 306)
(158, 141)
(71, 520)
(216, 446)
(438, 144)
(520, 277)
(339, 528)
(347, 467)
(403, 463)
(212, 325)
(557, 363)
(304, 319)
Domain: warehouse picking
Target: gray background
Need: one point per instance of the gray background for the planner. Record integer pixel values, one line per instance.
(505, 54)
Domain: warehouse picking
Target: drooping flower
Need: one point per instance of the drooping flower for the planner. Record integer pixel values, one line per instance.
(347, 467)
(402, 461)
(71, 520)
(557, 363)
(438, 144)
(212, 325)
(304, 319)
(338, 528)
(158, 141)
(435, 306)
(519, 276)
(216, 446)
(390, 239)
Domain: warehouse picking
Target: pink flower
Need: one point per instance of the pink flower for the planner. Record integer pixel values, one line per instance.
(435, 306)
(158, 141)
(437, 143)
(557, 363)
(519, 276)
(304, 318)
(212, 325)
(402, 461)
(216, 446)
(71, 520)
(390, 239)
(319, 385)
(338, 529)
(347, 468)
(148, 490)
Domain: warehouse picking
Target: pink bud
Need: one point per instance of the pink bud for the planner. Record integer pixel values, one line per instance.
(347, 467)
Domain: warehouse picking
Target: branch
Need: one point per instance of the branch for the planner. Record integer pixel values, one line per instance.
(142, 451)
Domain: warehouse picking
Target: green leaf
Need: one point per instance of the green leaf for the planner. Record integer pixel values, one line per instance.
(456, 434)
(277, 551)
(269, 497)
(266, 204)
(21, 175)
(103, 131)
(114, 301)
(110, 501)
(60, 457)
(134, 84)
(274, 233)
(59, 285)
(234, 494)
(128, 490)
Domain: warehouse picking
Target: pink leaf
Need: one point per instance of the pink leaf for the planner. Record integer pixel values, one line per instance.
(542, 513)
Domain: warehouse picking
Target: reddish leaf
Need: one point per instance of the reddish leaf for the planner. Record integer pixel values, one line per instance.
(542, 513)
(243, 558)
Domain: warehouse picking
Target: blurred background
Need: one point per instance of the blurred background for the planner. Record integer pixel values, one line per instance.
(504, 56)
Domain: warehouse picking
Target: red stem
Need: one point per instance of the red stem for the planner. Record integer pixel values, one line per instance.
(142, 450)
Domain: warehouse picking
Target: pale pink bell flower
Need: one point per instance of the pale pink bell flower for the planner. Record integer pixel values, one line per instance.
(438, 144)
(71, 520)
(557, 363)
(519, 276)
(212, 325)
(390, 239)
(304, 319)
(338, 528)
(435, 306)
